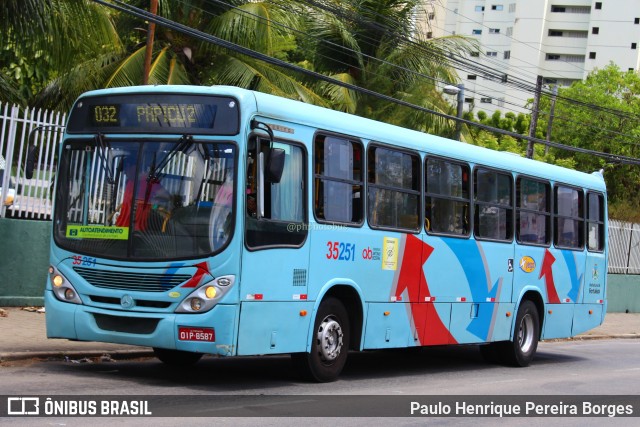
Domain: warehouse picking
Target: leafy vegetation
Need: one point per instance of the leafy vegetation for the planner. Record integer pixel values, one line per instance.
(601, 113)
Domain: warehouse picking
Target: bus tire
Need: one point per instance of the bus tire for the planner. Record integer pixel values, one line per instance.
(521, 350)
(176, 357)
(330, 344)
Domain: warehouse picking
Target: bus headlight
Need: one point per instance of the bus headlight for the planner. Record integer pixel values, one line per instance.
(206, 296)
(57, 281)
(62, 289)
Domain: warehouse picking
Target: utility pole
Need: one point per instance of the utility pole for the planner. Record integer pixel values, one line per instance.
(551, 110)
(153, 8)
(534, 116)
(459, 111)
(459, 92)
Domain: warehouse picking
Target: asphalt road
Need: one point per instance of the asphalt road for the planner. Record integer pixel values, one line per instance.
(268, 388)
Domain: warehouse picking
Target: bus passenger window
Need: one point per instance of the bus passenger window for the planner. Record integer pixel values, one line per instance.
(569, 218)
(446, 197)
(494, 205)
(595, 222)
(533, 212)
(394, 189)
(338, 186)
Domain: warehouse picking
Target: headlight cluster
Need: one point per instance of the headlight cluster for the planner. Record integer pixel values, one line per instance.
(62, 289)
(206, 296)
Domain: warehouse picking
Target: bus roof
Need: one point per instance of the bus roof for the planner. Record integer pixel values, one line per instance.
(338, 122)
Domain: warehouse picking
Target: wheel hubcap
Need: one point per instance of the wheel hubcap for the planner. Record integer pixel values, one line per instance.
(525, 333)
(329, 339)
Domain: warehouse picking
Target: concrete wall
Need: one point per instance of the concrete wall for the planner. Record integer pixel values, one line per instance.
(623, 293)
(24, 260)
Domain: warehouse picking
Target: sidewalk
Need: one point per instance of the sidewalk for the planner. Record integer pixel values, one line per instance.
(23, 335)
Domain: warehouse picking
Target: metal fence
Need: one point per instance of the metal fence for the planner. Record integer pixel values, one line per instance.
(624, 253)
(32, 195)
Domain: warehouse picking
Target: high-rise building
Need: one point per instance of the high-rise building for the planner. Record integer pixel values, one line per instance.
(560, 40)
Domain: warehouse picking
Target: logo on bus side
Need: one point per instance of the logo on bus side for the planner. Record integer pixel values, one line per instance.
(527, 264)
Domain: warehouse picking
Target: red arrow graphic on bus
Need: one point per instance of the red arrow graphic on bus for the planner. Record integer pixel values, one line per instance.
(546, 271)
(203, 269)
(425, 317)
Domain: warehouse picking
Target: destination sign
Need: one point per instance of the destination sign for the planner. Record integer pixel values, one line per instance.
(169, 113)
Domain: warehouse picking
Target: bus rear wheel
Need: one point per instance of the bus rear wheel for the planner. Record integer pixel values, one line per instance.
(330, 344)
(520, 351)
(176, 357)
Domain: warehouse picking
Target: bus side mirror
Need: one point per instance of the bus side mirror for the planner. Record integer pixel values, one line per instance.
(270, 168)
(275, 165)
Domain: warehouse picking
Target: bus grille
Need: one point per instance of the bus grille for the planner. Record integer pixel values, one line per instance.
(139, 302)
(147, 282)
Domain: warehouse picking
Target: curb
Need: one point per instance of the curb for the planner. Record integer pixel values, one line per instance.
(604, 337)
(75, 354)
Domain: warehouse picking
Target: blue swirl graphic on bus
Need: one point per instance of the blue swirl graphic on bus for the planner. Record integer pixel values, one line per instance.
(474, 267)
(576, 278)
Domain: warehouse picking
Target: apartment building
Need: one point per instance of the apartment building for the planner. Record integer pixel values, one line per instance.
(561, 40)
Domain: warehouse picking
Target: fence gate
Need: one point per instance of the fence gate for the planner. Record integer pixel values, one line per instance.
(33, 198)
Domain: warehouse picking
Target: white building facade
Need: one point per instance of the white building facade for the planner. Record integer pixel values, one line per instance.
(560, 40)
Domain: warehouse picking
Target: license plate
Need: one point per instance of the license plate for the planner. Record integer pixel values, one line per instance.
(196, 334)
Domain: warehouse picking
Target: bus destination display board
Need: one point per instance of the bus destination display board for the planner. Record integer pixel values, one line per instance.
(166, 114)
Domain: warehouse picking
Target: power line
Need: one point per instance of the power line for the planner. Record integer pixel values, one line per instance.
(464, 63)
(125, 8)
(456, 61)
(531, 88)
(337, 48)
(481, 69)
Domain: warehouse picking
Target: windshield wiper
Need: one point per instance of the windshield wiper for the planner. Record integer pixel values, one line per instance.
(185, 142)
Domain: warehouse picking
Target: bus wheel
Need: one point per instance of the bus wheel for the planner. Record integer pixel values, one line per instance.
(176, 357)
(521, 350)
(330, 344)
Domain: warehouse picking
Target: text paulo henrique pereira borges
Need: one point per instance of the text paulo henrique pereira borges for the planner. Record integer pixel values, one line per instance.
(462, 409)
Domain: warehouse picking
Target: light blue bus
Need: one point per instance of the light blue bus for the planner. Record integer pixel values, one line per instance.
(217, 220)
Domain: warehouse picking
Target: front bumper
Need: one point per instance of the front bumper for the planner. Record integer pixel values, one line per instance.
(84, 323)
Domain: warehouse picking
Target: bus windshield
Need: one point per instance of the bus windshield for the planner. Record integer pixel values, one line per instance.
(145, 200)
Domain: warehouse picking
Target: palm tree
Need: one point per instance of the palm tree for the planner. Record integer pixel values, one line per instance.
(43, 39)
(180, 59)
(373, 44)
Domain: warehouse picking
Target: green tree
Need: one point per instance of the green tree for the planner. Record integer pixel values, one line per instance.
(511, 122)
(180, 59)
(41, 40)
(601, 113)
